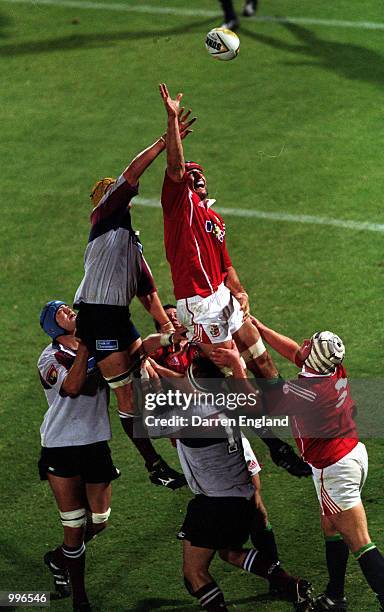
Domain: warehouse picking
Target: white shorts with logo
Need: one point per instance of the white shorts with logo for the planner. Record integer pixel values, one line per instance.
(212, 319)
(339, 485)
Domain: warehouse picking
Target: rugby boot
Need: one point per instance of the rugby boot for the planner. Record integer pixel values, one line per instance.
(324, 602)
(249, 8)
(163, 475)
(295, 590)
(60, 576)
(231, 24)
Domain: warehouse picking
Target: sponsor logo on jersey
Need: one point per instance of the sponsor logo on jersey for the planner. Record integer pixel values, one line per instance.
(214, 330)
(52, 375)
(215, 229)
(107, 345)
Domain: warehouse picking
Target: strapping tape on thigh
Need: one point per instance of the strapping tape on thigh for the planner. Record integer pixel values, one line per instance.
(73, 518)
(254, 351)
(121, 380)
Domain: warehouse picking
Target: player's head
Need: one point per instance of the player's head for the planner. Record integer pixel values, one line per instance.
(57, 319)
(99, 189)
(323, 352)
(202, 373)
(197, 180)
(170, 310)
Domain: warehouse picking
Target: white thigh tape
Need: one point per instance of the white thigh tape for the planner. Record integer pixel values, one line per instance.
(119, 381)
(254, 351)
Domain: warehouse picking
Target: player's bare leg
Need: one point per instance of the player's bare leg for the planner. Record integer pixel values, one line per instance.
(197, 579)
(99, 508)
(252, 349)
(70, 499)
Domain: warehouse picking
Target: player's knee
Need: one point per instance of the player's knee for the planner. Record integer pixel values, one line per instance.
(224, 554)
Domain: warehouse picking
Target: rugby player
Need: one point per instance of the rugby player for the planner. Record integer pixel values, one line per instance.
(116, 271)
(227, 509)
(322, 422)
(168, 360)
(75, 456)
(211, 302)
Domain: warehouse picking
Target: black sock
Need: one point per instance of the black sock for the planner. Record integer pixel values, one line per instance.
(229, 11)
(264, 540)
(75, 564)
(258, 564)
(336, 553)
(143, 445)
(211, 598)
(372, 564)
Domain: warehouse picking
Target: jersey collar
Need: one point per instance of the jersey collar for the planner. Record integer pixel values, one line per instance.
(210, 202)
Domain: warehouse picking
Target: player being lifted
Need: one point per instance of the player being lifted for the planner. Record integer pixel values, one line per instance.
(211, 302)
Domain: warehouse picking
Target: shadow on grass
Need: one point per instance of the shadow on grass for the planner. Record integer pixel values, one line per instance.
(95, 40)
(4, 23)
(349, 60)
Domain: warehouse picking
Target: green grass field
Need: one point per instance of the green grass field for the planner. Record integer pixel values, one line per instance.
(291, 126)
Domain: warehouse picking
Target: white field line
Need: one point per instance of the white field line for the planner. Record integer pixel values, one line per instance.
(246, 213)
(184, 12)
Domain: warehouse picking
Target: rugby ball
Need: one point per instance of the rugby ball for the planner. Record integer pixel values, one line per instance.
(222, 44)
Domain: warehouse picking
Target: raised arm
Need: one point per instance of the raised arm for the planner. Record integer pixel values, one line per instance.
(287, 347)
(175, 153)
(144, 159)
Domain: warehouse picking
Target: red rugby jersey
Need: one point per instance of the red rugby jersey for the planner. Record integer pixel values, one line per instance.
(322, 416)
(178, 361)
(194, 237)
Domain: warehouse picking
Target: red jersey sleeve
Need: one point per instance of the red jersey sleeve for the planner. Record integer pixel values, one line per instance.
(173, 195)
(292, 398)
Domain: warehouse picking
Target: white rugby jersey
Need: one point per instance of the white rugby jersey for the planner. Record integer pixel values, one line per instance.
(113, 258)
(72, 421)
(220, 469)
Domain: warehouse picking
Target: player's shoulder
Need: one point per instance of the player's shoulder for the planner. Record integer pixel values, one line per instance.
(48, 354)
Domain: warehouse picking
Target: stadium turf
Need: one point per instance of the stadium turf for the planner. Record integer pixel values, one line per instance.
(292, 126)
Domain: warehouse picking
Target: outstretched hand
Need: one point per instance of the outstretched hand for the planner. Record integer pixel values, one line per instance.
(172, 106)
(184, 122)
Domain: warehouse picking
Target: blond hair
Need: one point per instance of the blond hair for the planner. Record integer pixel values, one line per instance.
(99, 189)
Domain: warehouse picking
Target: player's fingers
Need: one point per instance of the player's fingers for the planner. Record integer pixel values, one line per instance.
(185, 116)
(179, 96)
(181, 113)
(190, 122)
(185, 134)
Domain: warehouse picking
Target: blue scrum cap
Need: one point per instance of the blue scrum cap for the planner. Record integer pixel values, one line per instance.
(48, 319)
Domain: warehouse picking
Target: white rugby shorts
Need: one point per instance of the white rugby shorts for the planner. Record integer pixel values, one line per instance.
(339, 485)
(212, 319)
